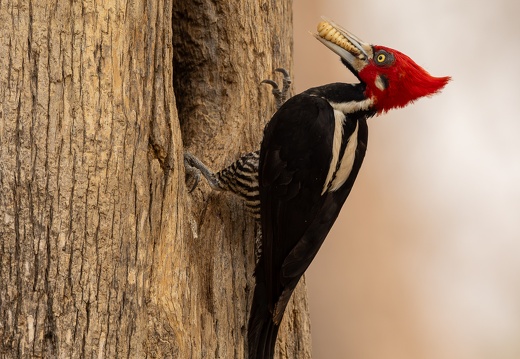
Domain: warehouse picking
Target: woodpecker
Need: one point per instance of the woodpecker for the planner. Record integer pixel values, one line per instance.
(310, 155)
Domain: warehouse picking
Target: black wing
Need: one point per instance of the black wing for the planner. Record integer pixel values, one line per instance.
(294, 161)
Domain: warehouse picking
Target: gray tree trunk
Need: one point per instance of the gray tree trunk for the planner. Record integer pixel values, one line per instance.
(103, 252)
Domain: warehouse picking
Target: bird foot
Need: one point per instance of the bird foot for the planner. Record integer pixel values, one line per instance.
(280, 95)
(194, 168)
(192, 173)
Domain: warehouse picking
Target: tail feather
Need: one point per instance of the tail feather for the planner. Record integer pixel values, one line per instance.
(262, 331)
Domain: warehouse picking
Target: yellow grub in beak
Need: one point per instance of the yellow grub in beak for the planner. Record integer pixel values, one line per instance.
(329, 33)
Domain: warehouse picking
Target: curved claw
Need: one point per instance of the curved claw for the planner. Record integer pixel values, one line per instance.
(195, 167)
(286, 79)
(275, 91)
(280, 95)
(191, 171)
(283, 71)
(270, 82)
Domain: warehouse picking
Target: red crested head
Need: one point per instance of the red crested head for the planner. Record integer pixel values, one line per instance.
(392, 79)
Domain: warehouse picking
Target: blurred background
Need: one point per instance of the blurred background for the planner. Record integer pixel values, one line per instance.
(424, 260)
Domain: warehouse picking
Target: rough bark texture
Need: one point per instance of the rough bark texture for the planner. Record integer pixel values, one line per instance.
(223, 50)
(103, 253)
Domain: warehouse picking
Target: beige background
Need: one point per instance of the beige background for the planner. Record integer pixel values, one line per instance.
(424, 261)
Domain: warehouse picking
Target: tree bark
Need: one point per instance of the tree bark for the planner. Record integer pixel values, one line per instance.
(103, 251)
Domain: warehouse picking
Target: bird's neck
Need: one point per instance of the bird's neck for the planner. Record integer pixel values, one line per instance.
(348, 98)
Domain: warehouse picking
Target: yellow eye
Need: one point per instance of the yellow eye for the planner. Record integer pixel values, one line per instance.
(381, 58)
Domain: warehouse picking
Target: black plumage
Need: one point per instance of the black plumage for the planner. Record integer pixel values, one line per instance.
(311, 153)
(296, 212)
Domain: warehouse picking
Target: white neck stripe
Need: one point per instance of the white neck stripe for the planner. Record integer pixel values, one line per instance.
(352, 106)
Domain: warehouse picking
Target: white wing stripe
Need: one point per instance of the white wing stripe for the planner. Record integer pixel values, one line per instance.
(347, 161)
(339, 117)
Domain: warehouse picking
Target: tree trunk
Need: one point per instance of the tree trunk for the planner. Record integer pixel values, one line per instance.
(103, 252)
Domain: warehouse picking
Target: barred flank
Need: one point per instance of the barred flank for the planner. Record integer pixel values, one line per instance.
(241, 178)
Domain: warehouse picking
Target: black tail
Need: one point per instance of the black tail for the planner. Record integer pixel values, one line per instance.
(262, 331)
